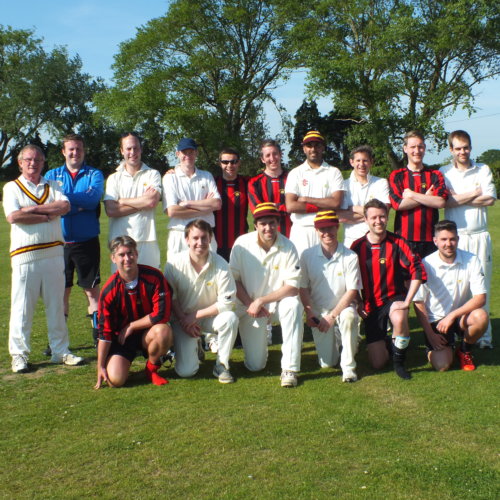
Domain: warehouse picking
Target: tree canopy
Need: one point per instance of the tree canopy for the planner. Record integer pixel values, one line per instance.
(203, 70)
(490, 156)
(333, 128)
(41, 93)
(395, 65)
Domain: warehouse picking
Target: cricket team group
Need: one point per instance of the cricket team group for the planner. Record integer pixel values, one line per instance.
(221, 280)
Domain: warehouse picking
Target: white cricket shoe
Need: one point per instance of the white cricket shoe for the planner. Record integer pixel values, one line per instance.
(19, 363)
(288, 378)
(223, 374)
(349, 377)
(67, 359)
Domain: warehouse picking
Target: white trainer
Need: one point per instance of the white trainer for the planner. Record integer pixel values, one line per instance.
(223, 374)
(67, 359)
(19, 363)
(349, 377)
(288, 378)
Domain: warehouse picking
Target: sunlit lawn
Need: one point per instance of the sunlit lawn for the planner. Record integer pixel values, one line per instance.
(435, 436)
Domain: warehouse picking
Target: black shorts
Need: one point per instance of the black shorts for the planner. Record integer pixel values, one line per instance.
(449, 335)
(376, 322)
(85, 257)
(132, 346)
(422, 248)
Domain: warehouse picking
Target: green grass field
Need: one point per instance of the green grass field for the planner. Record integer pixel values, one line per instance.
(436, 436)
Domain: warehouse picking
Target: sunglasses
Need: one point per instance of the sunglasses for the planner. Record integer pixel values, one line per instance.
(229, 162)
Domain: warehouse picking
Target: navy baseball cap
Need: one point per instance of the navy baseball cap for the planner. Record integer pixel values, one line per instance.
(186, 143)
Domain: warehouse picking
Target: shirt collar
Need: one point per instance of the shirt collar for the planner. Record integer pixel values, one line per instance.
(181, 173)
(336, 256)
(457, 262)
(354, 179)
(28, 183)
(472, 166)
(121, 167)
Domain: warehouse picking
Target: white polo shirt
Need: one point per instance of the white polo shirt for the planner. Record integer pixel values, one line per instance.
(213, 285)
(139, 225)
(359, 194)
(469, 219)
(450, 286)
(329, 279)
(179, 187)
(263, 272)
(314, 182)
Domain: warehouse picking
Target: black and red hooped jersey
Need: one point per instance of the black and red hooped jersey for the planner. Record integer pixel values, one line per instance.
(231, 219)
(416, 224)
(264, 188)
(385, 267)
(119, 306)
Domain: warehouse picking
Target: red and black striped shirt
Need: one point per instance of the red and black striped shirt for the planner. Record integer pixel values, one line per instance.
(118, 306)
(416, 224)
(264, 188)
(384, 269)
(231, 219)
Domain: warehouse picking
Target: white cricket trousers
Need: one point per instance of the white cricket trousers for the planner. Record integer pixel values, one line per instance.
(45, 278)
(480, 244)
(303, 237)
(225, 325)
(344, 332)
(288, 313)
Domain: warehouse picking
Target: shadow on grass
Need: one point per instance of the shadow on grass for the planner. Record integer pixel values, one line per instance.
(310, 370)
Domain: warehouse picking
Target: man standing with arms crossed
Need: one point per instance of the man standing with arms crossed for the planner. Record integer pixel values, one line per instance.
(330, 282)
(33, 207)
(386, 263)
(452, 300)
(188, 193)
(132, 194)
(472, 190)
(417, 193)
(360, 188)
(269, 186)
(231, 219)
(311, 187)
(266, 268)
(134, 310)
(83, 185)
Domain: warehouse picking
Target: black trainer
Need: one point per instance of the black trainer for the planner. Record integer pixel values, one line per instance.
(401, 371)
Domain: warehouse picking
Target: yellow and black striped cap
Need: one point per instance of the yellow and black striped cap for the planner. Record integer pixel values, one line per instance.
(267, 209)
(313, 136)
(326, 218)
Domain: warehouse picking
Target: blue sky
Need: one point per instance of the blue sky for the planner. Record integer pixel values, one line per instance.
(94, 29)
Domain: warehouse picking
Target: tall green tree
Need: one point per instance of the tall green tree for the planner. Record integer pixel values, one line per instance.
(42, 94)
(395, 64)
(333, 128)
(489, 156)
(202, 70)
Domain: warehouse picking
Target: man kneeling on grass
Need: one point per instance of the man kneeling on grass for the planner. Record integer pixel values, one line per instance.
(386, 264)
(204, 295)
(452, 300)
(134, 310)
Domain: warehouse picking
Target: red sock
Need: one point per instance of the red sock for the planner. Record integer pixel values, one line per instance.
(152, 374)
